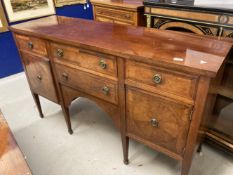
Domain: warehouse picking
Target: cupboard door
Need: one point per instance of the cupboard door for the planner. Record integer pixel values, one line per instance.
(158, 120)
(40, 76)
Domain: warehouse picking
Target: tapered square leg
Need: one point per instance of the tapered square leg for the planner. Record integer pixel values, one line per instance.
(66, 113)
(125, 145)
(38, 105)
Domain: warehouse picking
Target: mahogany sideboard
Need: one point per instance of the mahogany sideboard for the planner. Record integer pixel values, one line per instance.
(128, 12)
(12, 161)
(152, 83)
(203, 18)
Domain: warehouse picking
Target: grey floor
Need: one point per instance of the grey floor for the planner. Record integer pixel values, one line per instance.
(95, 146)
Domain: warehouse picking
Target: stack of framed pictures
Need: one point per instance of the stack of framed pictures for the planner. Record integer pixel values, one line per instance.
(18, 10)
(3, 21)
(60, 3)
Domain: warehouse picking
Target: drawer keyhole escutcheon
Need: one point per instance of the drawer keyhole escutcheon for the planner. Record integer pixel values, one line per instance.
(154, 123)
(102, 64)
(65, 76)
(105, 90)
(30, 45)
(39, 77)
(157, 78)
(60, 53)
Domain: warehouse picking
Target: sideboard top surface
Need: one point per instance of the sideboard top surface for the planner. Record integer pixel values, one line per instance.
(134, 4)
(225, 6)
(182, 51)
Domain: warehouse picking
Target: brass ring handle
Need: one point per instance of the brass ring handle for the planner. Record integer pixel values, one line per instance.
(30, 45)
(105, 90)
(127, 16)
(102, 64)
(65, 76)
(39, 77)
(154, 123)
(60, 53)
(157, 78)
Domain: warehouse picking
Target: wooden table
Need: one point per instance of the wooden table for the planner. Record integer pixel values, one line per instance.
(152, 83)
(12, 161)
(203, 18)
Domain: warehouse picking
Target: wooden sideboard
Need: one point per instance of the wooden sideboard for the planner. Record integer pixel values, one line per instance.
(128, 12)
(12, 161)
(204, 19)
(152, 83)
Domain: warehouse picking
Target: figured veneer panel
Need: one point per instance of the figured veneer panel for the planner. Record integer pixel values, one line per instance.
(31, 44)
(172, 117)
(171, 81)
(88, 83)
(39, 75)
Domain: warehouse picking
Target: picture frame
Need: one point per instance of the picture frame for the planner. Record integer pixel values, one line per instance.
(18, 10)
(3, 21)
(60, 3)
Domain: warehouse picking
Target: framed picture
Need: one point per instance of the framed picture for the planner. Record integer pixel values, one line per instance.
(3, 21)
(60, 3)
(18, 10)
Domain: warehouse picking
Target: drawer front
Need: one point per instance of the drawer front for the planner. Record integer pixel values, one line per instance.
(40, 76)
(160, 121)
(103, 19)
(115, 14)
(168, 81)
(31, 44)
(88, 83)
(86, 59)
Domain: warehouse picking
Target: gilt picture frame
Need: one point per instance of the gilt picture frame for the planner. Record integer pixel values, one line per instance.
(18, 10)
(3, 21)
(60, 3)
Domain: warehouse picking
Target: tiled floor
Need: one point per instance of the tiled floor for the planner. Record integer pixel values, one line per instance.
(95, 146)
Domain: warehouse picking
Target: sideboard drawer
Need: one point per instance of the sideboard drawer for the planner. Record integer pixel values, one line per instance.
(90, 60)
(114, 13)
(39, 75)
(157, 120)
(161, 79)
(88, 83)
(31, 44)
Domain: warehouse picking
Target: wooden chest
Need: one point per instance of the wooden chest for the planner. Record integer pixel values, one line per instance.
(128, 12)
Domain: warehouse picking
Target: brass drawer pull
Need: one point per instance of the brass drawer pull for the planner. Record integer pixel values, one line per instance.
(60, 53)
(65, 76)
(105, 90)
(39, 77)
(157, 78)
(127, 16)
(102, 64)
(154, 123)
(30, 45)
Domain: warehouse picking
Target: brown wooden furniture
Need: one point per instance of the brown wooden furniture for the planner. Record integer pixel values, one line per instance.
(12, 160)
(153, 83)
(128, 12)
(211, 20)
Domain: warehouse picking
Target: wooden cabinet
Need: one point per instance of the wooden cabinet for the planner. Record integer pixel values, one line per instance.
(152, 83)
(120, 12)
(212, 20)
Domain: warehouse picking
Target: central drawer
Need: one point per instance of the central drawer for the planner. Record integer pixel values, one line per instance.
(88, 83)
(89, 60)
(160, 121)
